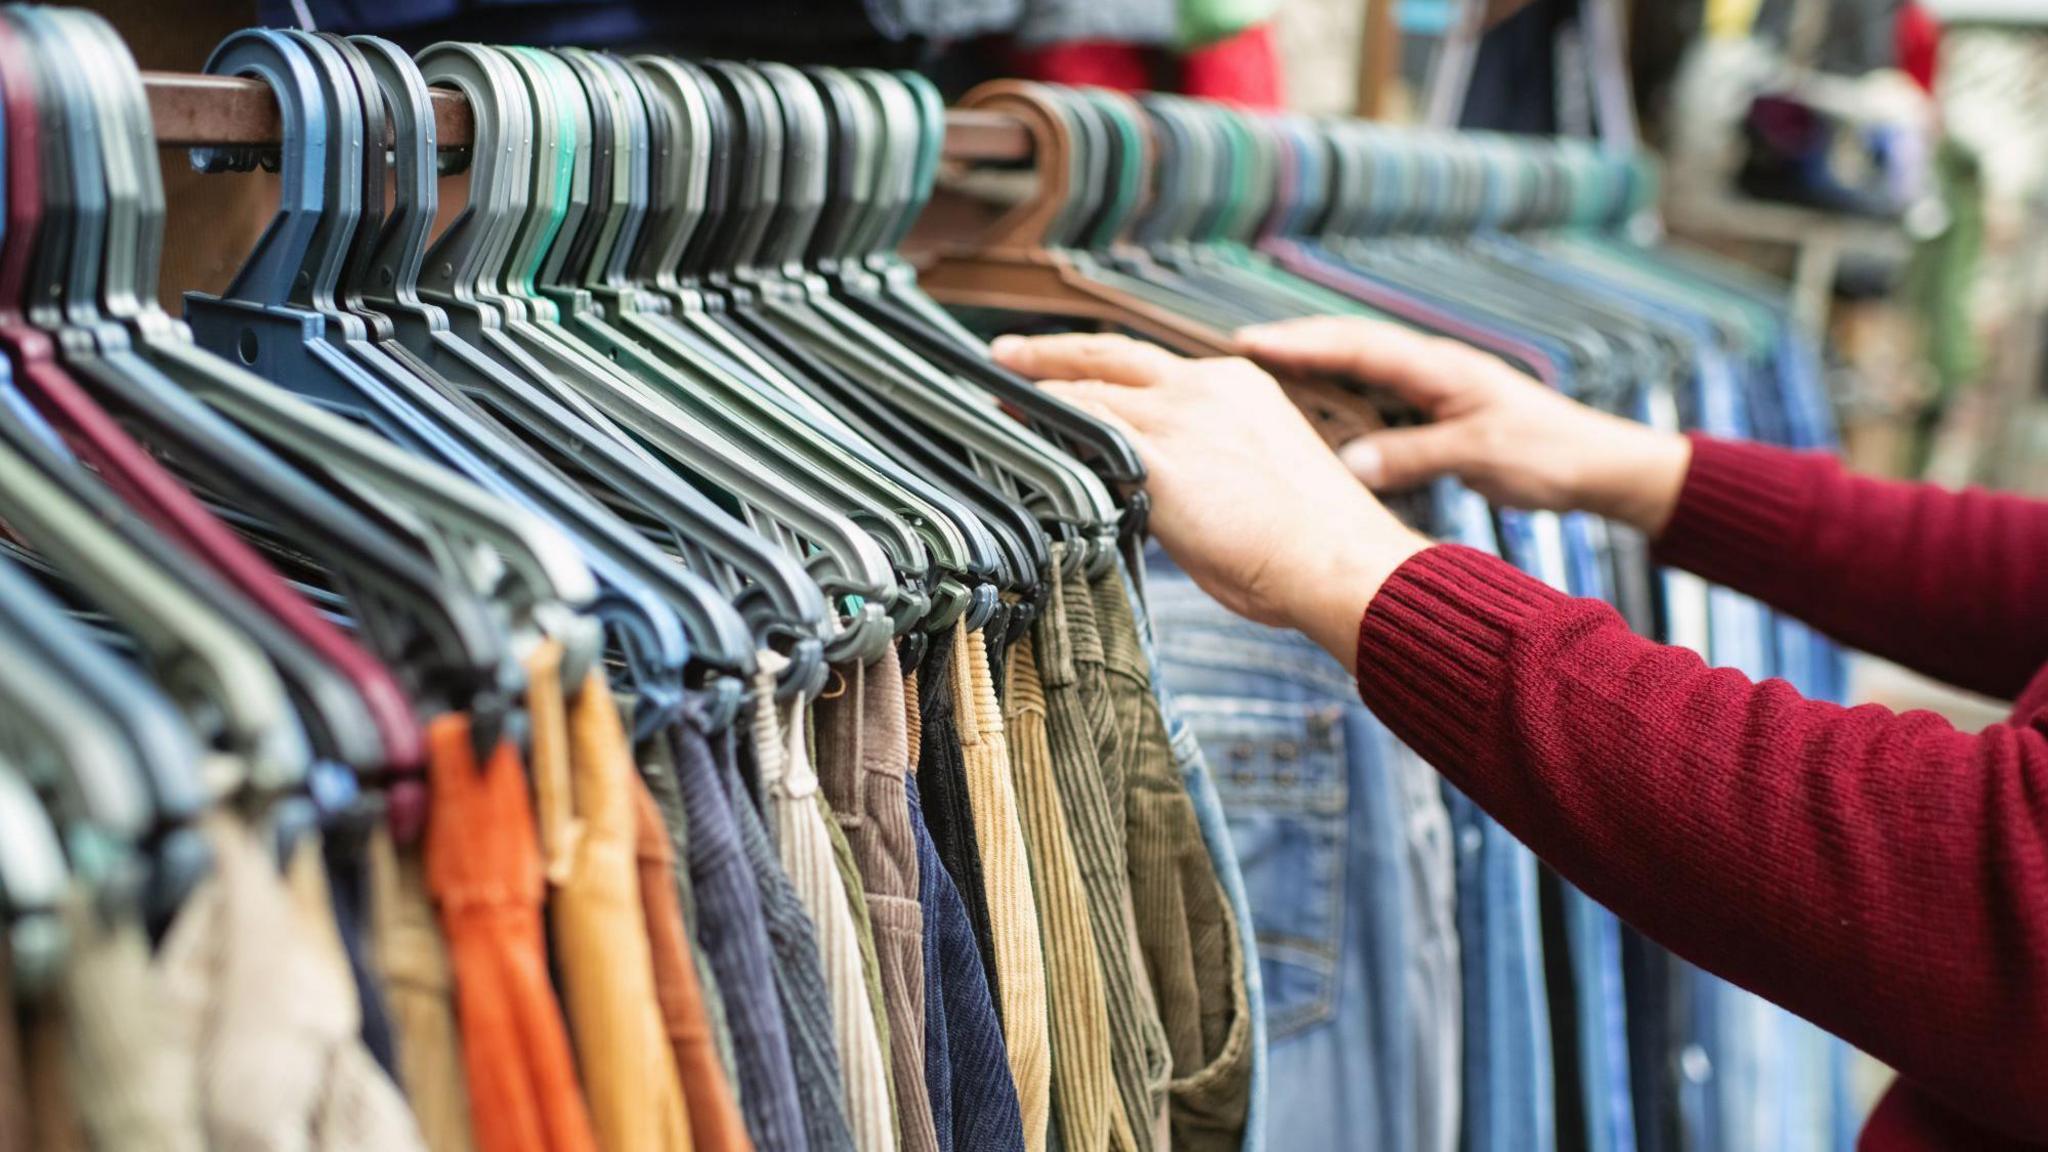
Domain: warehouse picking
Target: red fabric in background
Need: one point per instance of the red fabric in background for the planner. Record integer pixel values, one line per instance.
(1242, 70)
(1916, 38)
(1096, 63)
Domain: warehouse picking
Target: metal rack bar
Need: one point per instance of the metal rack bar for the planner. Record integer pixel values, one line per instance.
(193, 109)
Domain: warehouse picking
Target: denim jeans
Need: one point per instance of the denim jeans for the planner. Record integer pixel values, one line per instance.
(1564, 552)
(1510, 1077)
(1305, 776)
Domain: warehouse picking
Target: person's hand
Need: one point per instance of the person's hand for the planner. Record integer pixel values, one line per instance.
(1508, 437)
(1245, 497)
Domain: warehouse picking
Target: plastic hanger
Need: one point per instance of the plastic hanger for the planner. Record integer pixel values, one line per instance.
(763, 299)
(274, 319)
(95, 346)
(811, 327)
(889, 297)
(784, 154)
(401, 603)
(911, 529)
(226, 686)
(837, 555)
(783, 606)
(281, 317)
(924, 417)
(879, 289)
(842, 560)
(562, 114)
(652, 643)
(150, 782)
(1013, 268)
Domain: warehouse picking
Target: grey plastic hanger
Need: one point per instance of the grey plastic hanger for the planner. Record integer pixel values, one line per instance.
(906, 524)
(778, 411)
(785, 608)
(224, 684)
(654, 647)
(337, 715)
(841, 558)
(894, 125)
(550, 103)
(516, 560)
(166, 345)
(1057, 487)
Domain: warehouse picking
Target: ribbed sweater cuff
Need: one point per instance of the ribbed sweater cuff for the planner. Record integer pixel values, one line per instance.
(1434, 645)
(1740, 506)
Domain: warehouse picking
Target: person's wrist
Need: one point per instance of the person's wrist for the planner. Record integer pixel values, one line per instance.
(1633, 474)
(1339, 584)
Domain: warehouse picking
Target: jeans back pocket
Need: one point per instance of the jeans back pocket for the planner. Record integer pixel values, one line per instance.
(1281, 772)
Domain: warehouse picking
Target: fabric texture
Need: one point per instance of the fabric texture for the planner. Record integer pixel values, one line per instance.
(1740, 823)
(1013, 910)
(1304, 774)
(1144, 22)
(800, 985)
(863, 756)
(948, 811)
(419, 989)
(732, 927)
(1070, 663)
(864, 932)
(715, 1121)
(1184, 922)
(267, 1012)
(1213, 824)
(657, 758)
(53, 1119)
(344, 843)
(790, 790)
(122, 1063)
(601, 950)
(17, 1127)
(1083, 1087)
(967, 1073)
(483, 869)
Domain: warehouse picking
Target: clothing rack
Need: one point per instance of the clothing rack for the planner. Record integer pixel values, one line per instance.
(192, 109)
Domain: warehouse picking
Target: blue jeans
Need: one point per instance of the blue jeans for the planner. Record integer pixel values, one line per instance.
(1509, 1081)
(1304, 777)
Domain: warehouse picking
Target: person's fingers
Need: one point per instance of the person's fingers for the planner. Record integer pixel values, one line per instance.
(1086, 356)
(1396, 458)
(1105, 402)
(1424, 370)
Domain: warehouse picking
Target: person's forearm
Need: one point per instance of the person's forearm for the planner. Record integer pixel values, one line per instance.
(1631, 474)
(1871, 872)
(1329, 600)
(1948, 583)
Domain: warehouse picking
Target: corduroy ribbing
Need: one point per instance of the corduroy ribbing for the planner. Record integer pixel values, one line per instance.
(803, 838)
(1006, 873)
(1083, 1087)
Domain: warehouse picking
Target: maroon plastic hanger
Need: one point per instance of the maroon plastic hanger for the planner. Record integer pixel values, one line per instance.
(142, 483)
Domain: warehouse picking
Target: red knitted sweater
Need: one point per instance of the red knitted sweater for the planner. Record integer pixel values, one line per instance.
(1883, 875)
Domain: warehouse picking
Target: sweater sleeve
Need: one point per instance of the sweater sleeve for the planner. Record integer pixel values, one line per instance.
(1885, 876)
(1948, 583)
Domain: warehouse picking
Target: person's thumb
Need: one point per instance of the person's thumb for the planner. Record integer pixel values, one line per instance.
(1397, 458)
